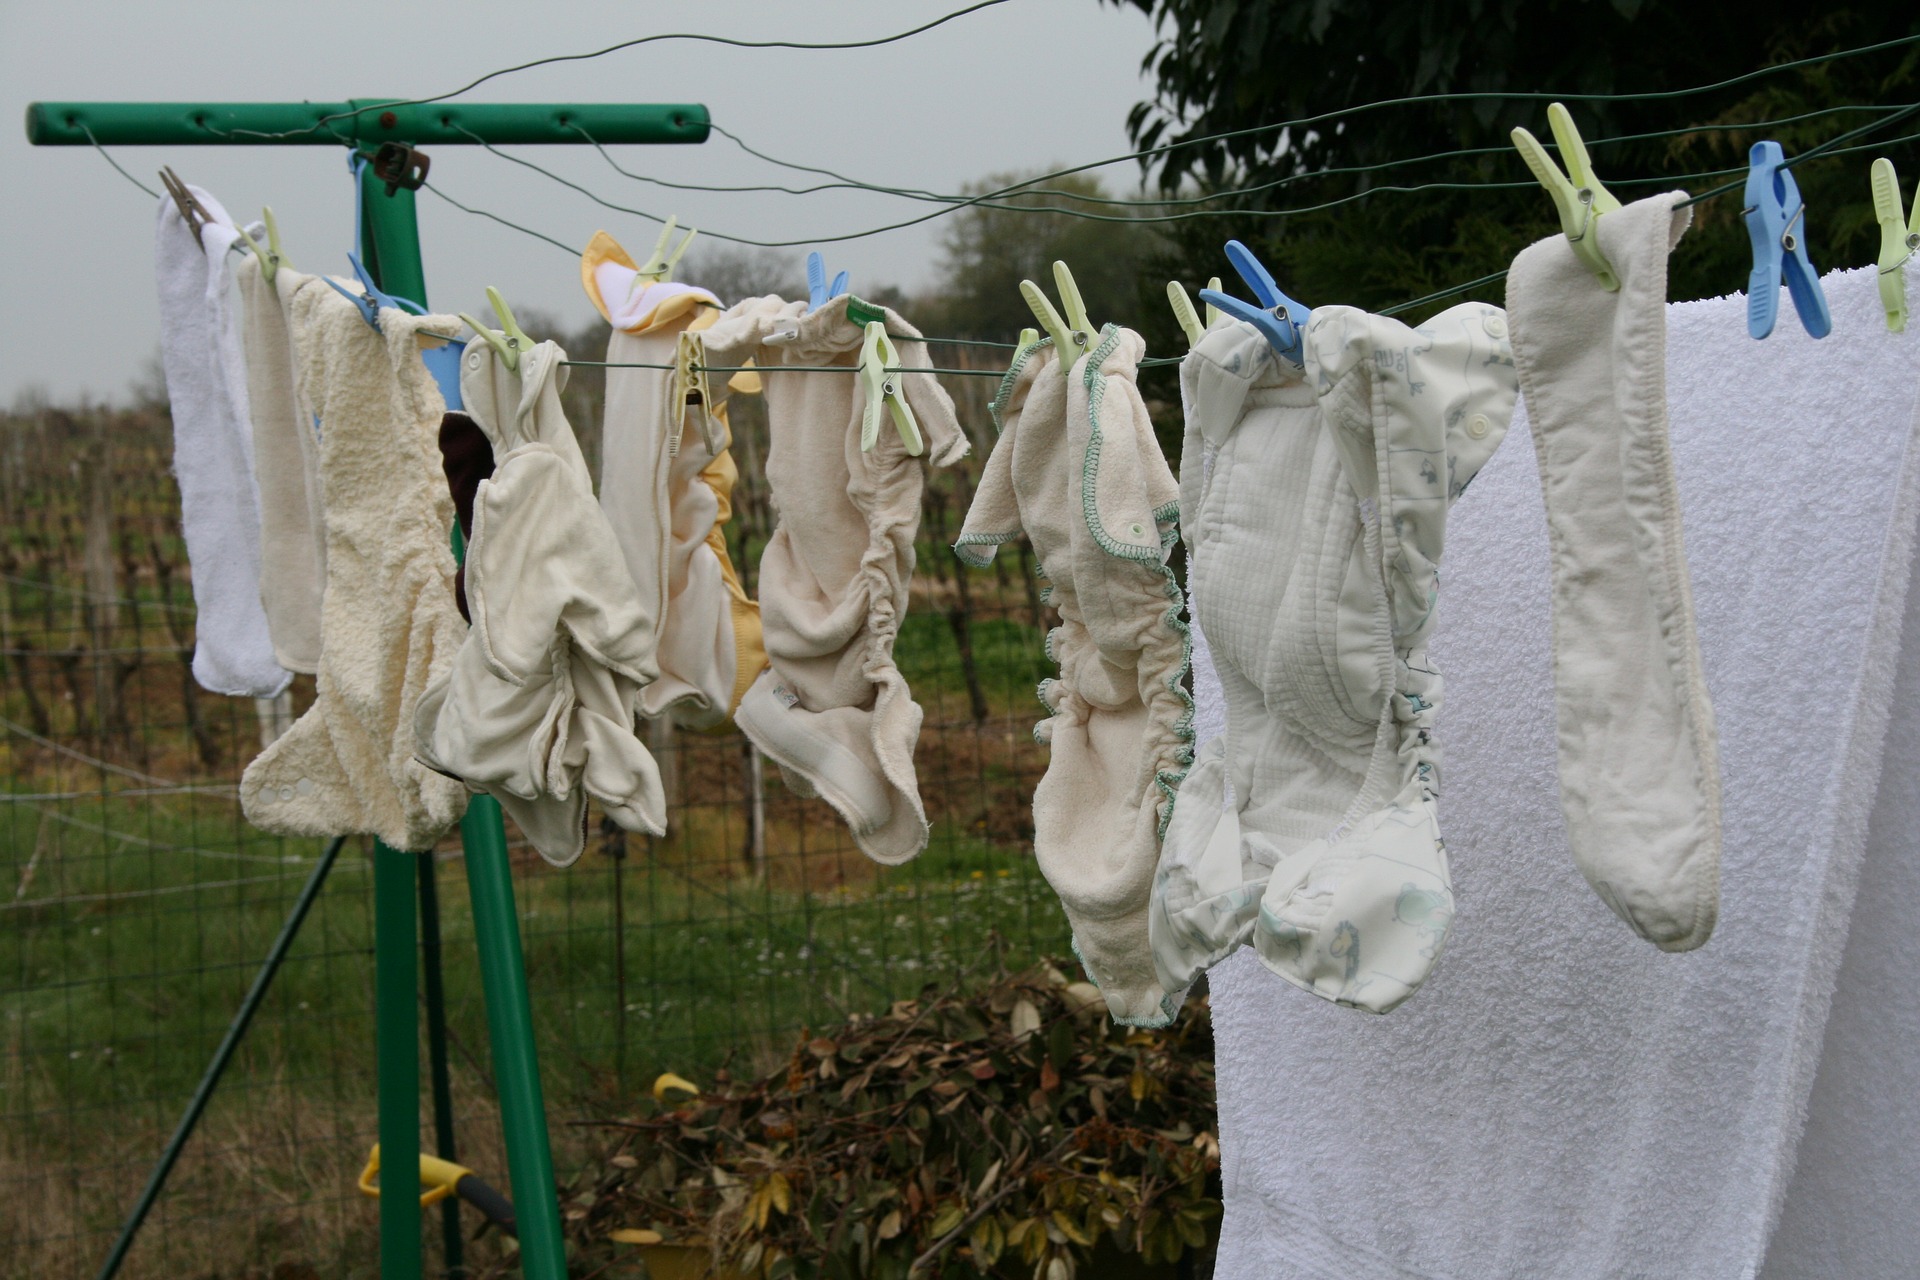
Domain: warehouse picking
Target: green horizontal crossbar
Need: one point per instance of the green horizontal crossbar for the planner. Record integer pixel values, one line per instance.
(279, 124)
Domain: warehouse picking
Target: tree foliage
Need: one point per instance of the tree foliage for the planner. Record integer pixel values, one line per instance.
(1241, 67)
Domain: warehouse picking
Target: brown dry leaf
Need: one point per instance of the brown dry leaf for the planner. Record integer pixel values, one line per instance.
(889, 1226)
(1049, 1077)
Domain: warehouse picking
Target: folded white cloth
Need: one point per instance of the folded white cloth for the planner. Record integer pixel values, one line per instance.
(1314, 504)
(388, 620)
(1561, 1100)
(213, 453)
(286, 457)
(538, 707)
(1639, 765)
(834, 712)
(667, 488)
(1078, 470)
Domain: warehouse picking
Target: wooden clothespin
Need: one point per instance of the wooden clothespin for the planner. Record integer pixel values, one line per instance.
(1577, 194)
(689, 389)
(880, 376)
(1073, 336)
(658, 268)
(192, 212)
(1776, 226)
(509, 340)
(1280, 320)
(1898, 242)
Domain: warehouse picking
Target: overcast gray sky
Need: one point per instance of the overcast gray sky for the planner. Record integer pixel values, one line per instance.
(1024, 85)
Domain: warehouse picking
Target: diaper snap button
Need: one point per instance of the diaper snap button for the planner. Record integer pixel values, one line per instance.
(1495, 326)
(1137, 530)
(1478, 426)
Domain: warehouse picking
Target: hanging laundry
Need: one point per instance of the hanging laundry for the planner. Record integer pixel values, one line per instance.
(667, 488)
(1565, 1102)
(388, 623)
(1310, 827)
(538, 706)
(233, 651)
(1077, 470)
(1639, 763)
(834, 712)
(286, 456)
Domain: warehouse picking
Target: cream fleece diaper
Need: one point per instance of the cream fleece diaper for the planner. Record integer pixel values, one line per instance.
(834, 712)
(1077, 469)
(538, 707)
(1639, 762)
(667, 488)
(387, 620)
(1309, 827)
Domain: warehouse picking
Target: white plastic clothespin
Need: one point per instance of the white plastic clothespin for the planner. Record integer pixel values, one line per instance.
(689, 390)
(880, 377)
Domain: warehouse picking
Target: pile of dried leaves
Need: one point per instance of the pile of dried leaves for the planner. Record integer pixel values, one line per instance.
(1002, 1133)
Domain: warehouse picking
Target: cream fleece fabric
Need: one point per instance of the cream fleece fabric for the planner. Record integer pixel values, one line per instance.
(538, 707)
(388, 622)
(1310, 827)
(233, 652)
(286, 459)
(1639, 762)
(1077, 469)
(834, 712)
(667, 489)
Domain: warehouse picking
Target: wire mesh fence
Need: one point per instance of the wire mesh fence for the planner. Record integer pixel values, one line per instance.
(136, 902)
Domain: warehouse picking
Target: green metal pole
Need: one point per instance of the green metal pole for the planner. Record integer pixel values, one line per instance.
(452, 1251)
(396, 1040)
(236, 1030)
(365, 121)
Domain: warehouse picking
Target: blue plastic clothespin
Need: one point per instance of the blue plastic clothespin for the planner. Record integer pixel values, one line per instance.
(370, 298)
(1776, 225)
(819, 292)
(1279, 318)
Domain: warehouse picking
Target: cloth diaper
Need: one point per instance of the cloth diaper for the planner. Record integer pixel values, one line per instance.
(833, 711)
(667, 489)
(1639, 760)
(538, 706)
(388, 625)
(1077, 469)
(1309, 827)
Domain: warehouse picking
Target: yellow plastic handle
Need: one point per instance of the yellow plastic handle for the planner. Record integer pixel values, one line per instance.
(437, 1175)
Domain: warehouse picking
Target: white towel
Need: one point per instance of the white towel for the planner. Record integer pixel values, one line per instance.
(1564, 1101)
(213, 453)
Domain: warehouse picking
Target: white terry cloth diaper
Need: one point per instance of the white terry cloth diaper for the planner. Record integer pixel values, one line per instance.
(388, 624)
(233, 651)
(286, 458)
(1639, 761)
(834, 712)
(1309, 828)
(667, 489)
(538, 707)
(1077, 469)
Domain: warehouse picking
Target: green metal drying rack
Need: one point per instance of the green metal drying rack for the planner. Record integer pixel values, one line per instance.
(389, 236)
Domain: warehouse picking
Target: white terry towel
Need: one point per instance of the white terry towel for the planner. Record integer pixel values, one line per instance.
(286, 454)
(667, 488)
(1639, 766)
(538, 707)
(1563, 1101)
(1310, 829)
(834, 712)
(388, 621)
(1077, 469)
(213, 453)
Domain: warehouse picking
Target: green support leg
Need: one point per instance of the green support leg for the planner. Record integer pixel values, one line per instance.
(397, 1042)
(523, 1113)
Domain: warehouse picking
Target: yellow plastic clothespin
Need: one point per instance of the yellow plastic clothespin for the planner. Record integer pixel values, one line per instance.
(1577, 194)
(658, 268)
(689, 389)
(1072, 337)
(1898, 242)
(509, 340)
(879, 375)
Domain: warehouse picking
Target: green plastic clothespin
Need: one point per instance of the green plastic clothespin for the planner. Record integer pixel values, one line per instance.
(1898, 242)
(1577, 194)
(1073, 336)
(510, 340)
(879, 361)
(658, 268)
(1190, 322)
